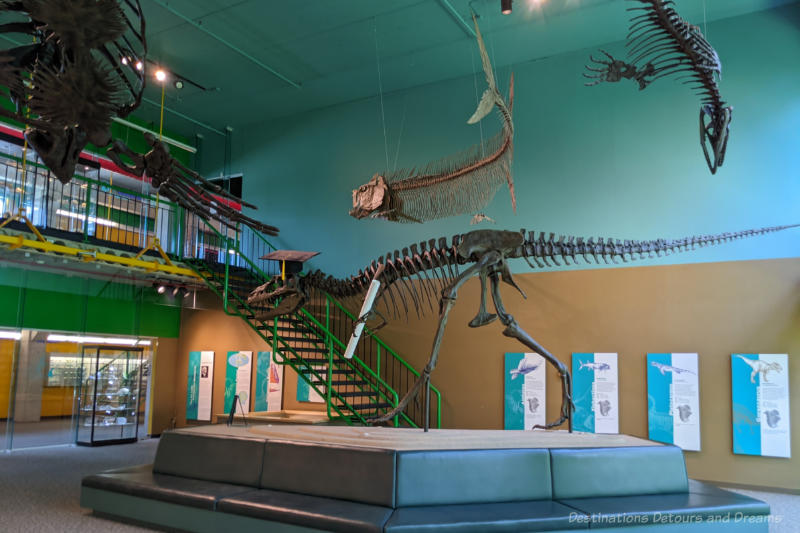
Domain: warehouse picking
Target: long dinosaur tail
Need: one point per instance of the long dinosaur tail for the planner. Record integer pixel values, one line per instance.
(549, 251)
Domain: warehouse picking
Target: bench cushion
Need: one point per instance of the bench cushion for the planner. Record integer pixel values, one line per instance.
(229, 460)
(598, 472)
(358, 474)
(466, 476)
(488, 517)
(142, 482)
(308, 511)
(683, 508)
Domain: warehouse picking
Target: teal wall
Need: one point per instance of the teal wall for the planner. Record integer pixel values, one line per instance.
(604, 161)
(40, 300)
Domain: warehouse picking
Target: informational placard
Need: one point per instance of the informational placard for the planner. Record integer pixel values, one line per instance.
(595, 391)
(275, 395)
(199, 386)
(673, 399)
(261, 396)
(525, 390)
(305, 392)
(269, 384)
(238, 373)
(760, 390)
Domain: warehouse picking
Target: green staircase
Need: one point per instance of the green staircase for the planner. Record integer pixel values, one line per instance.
(312, 340)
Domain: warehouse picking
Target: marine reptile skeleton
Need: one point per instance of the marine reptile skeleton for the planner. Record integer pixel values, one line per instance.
(85, 66)
(418, 276)
(75, 72)
(660, 43)
(460, 184)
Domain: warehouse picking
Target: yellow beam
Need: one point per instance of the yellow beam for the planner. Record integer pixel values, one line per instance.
(94, 255)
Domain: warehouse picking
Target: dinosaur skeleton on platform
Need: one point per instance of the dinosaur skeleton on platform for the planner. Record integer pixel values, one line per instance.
(660, 43)
(429, 273)
(86, 65)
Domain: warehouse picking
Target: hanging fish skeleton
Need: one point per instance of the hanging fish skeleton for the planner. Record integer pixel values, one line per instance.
(460, 184)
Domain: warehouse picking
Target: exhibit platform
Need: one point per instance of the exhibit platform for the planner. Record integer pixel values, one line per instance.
(327, 478)
(388, 438)
(287, 416)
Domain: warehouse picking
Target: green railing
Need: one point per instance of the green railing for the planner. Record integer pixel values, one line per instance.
(376, 365)
(91, 208)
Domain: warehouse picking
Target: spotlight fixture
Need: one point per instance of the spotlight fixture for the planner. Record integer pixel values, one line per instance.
(124, 60)
(175, 291)
(505, 6)
(186, 292)
(178, 84)
(139, 65)
(161, 75)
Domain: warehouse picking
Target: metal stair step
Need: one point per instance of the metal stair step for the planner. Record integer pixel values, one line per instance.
(368, 406)
(357, 393)
(348, 383)
(325, 361)
(310, 349)
(316, 361)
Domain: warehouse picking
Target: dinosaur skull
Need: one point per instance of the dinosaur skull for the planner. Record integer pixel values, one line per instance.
(370, 197)
(714, 129)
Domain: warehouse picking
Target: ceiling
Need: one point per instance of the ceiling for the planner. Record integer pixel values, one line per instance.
(261, 59)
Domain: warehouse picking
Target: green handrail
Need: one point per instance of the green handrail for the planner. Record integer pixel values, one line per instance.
(371, 372)
(329, 338)
(396, 356)
(286, 346)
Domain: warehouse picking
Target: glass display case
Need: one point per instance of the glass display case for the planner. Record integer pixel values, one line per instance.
(110, 400)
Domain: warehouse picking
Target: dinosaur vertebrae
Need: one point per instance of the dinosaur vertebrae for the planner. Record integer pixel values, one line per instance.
(435, 264)
(671, 45)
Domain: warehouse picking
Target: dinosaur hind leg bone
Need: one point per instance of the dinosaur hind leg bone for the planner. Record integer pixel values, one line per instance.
(446, 303)
(515, 331)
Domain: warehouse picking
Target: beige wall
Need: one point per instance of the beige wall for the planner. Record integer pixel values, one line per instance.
(714, 309)
(215, 331)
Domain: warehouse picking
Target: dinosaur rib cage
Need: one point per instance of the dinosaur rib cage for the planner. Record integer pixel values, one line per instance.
(435, 264)
(671, 45)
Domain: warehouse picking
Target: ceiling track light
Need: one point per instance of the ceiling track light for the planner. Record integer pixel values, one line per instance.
(505, 6)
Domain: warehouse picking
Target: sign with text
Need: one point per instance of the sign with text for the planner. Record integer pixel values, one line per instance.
(238, 373)
(200, 386)
(673, 399)
(760, 398)
(525, 390)
(595, 392)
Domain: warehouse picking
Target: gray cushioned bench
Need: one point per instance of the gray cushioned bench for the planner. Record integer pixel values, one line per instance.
(215, 483)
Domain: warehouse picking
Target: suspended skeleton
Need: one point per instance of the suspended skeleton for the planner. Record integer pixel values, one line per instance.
(463, 183)
(184, 186)
(429, 273)
(71, 80)
(660, 43)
